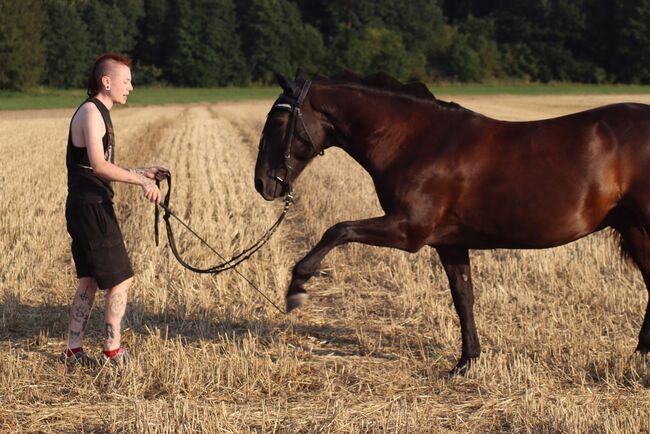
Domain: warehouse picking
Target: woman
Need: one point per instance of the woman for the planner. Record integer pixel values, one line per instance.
(98, 248)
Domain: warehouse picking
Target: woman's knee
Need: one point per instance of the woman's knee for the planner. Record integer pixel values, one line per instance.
(87, 284)
(121, 287)
(126, 284)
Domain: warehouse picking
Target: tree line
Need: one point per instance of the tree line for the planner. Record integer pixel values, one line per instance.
(228, 42)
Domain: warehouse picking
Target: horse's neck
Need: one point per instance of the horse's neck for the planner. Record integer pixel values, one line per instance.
(373, 127)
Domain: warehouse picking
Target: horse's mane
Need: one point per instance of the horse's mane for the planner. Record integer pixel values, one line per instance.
(384, 82)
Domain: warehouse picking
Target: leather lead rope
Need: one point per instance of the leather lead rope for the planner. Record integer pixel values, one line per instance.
(229, 264)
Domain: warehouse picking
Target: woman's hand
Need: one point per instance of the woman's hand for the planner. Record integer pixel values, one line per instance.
(147, 177)
(156, 172)
(151, 190)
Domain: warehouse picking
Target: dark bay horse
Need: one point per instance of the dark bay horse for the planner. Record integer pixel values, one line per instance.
(453, 179)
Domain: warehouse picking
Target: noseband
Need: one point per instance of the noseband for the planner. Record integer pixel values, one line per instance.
(293, 106)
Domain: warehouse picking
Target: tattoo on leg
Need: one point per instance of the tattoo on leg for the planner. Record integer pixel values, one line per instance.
(110, 334)
(117, 303)
(79, 315)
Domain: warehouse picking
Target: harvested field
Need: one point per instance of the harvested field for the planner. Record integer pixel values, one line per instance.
(367, 353)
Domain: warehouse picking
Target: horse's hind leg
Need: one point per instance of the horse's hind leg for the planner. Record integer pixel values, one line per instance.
(636, 243)
(455, 261)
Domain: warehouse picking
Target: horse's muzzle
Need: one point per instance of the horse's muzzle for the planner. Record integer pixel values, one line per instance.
(263, 189)
(271, 187)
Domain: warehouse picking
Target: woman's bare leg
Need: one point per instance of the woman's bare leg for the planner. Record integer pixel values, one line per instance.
(82, 305)
(115, 307)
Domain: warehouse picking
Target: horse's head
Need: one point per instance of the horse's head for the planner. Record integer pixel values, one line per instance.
(294, 133)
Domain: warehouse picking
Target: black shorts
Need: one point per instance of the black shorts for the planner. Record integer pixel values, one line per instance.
(97, 244)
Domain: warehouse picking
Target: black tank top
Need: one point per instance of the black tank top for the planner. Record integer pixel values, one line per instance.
(83, 185)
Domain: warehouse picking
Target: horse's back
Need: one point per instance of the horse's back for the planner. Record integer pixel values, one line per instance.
(544, 183)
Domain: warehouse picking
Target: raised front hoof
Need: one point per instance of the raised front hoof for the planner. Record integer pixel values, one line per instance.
(294, 301)
(462, 366)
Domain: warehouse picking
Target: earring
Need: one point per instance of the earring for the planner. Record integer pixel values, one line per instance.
(108, 87)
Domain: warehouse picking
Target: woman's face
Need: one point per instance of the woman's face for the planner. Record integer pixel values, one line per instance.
(120, 83)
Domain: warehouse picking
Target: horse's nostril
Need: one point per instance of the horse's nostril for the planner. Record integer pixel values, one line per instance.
(259, 186)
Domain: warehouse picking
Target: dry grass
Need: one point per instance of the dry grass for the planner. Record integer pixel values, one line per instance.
(369, 351)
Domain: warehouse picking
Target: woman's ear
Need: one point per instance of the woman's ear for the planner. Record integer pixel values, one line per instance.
(106, 81)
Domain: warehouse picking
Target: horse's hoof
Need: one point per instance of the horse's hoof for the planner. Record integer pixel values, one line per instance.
(294, 301)
(462, 366)
(458, 370)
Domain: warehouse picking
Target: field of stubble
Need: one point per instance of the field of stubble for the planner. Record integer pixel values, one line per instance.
(367, 353)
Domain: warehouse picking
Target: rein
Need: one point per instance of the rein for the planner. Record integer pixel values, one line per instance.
(229, 264)
(286, 104)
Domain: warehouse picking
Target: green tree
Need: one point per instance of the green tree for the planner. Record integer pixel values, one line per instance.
(421, 25)
(473, 55)
(112, 24)
(308, 50)
(22, 52)
(633, 49)
(414, 35)
(204, 48)
(152, 37)
(372, 49)
(553, 39)
(275, 39)
(68, 55)
(464, 63)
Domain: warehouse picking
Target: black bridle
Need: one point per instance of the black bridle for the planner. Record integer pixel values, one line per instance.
(293, 106)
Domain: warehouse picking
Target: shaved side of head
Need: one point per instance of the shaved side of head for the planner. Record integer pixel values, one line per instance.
(108, 64)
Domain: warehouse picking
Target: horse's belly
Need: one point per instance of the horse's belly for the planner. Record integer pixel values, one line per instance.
(538, 209)
(522, 225)
(480, 239)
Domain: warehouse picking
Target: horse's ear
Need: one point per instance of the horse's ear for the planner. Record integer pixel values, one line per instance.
(290, 87)
(283, 82)
(301, 75)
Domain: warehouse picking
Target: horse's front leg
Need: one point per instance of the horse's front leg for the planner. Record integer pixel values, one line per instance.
(386, 231)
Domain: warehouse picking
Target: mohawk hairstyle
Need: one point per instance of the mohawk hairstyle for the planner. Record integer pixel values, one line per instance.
(99, 70)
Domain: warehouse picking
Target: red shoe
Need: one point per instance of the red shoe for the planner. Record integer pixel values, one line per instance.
(118, 357)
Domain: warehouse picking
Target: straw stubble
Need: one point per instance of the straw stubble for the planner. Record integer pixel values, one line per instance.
(369, 350)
